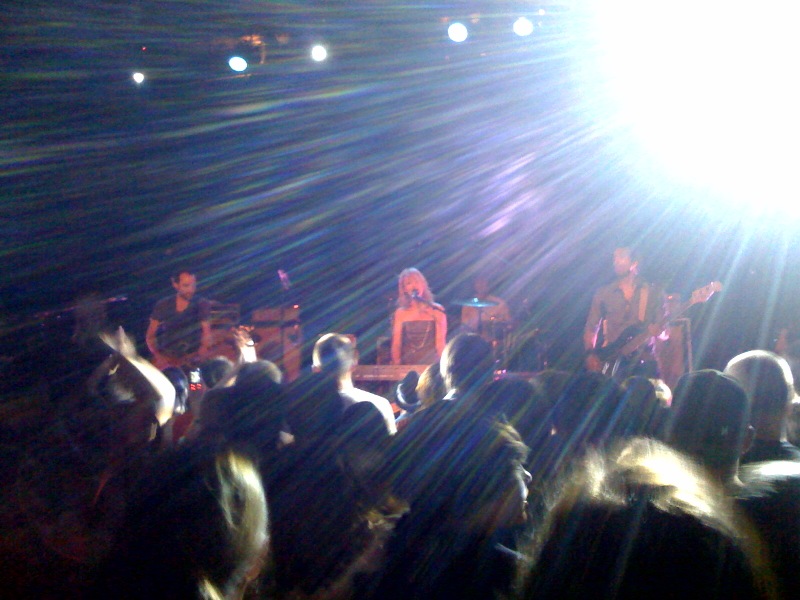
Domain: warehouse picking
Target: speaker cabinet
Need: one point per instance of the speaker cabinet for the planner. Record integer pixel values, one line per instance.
(674, 355)
(278, 336)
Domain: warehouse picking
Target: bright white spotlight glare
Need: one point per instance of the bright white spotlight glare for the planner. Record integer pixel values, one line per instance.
(237, 63)
(457, 32)
(319, 53)
(704, 91)
(138, 77)
(523, 27)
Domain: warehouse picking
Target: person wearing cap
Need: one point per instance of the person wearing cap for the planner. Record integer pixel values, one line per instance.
(710, 421)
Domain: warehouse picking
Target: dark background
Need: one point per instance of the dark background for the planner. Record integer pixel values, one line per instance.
(402, 149)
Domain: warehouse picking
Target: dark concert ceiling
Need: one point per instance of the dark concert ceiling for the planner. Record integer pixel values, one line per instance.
(499, 154)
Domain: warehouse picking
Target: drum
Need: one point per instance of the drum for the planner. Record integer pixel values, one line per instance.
(499, 335)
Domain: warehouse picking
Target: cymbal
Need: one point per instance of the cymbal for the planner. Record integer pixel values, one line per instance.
(475, 303)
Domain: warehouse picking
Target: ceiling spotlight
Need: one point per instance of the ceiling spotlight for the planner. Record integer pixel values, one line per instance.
(457, 32)
(319, 53)
(237, 63)
(138, 77)
(523, 27)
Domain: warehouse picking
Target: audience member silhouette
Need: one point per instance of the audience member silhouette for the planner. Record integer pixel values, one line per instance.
(710, 421)
(768, 381)
(196, 527)
(643, 522)
(447, 545)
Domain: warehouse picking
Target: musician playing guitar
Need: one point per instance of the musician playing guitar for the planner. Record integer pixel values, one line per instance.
(179, 332)
(627, 304)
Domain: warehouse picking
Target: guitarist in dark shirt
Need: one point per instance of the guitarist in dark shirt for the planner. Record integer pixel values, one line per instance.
(625, 315)
(179, 331)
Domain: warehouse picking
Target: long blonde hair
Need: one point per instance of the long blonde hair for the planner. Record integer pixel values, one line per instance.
(243, 505)
(196, 527)
(639, 472)
(403, 299)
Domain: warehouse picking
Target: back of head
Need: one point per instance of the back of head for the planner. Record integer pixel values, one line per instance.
(215, 370)
(709, 418)
(467, 363)
(642, 521)
(249, 415)
(259, 376)
(768, 381)
(522, 405)
(509, 396)
(587, 410)
(550, 383)
(457, 473)
(195, 528)
(430, 387)
(334, 354)
(471, 487)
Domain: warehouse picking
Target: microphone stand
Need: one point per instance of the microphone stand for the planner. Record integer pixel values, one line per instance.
(433, 305)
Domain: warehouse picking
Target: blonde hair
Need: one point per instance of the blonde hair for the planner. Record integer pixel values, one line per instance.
(403, 299)
(241, 499)
(243, 503)
(196, 528)
(644, 470)
(430, 387)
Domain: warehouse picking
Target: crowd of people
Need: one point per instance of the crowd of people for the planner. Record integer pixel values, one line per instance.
(121, 480)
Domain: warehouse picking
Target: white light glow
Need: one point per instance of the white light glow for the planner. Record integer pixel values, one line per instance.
(523, 27)
(457, 32)
(237, 63)
(138, 77)
(707, 89)
(319, 53)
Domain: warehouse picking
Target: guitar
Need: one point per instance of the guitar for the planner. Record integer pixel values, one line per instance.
(635, 336)
(236, 344)
(187, 362)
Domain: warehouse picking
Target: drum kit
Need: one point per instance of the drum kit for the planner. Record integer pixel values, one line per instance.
(512, 352)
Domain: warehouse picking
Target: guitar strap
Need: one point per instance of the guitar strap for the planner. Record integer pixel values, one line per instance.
(643, 302)
(604, 331)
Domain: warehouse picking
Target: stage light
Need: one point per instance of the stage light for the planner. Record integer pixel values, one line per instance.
(138, 77)
(457, 32)
(319, 53)
(703, 93)
(237, 63)
(523, 27)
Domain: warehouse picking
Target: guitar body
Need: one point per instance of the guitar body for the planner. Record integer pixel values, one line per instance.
(187, 362)
(616, 349)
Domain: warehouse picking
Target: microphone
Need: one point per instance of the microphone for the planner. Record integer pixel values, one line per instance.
(415, 296)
